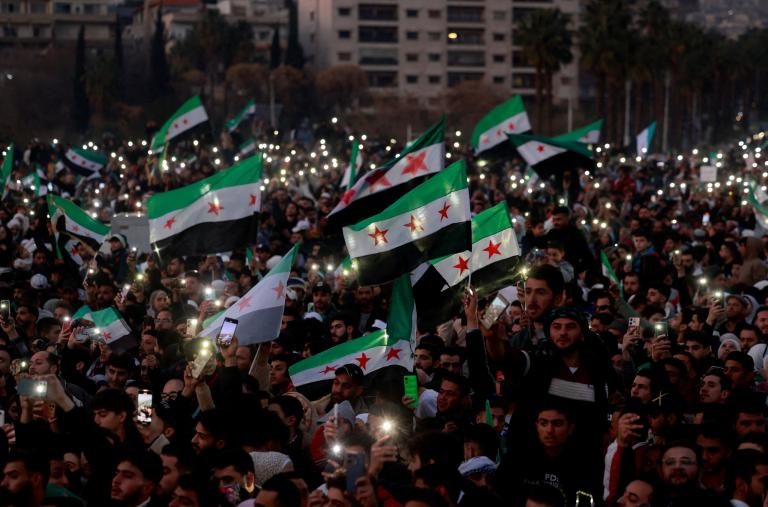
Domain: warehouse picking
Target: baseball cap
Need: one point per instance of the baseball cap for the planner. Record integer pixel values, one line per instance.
(322, 287)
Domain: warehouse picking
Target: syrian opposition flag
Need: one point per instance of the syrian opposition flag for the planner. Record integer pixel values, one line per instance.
(247, 147)
(587, 135)
(87, 163)
(353, 169)
(112, 327)
(438, 286)
(7, 169)
(72, 225)
(645, 139)
(547, 156)
(382, 186)
(507, 118)
(430, 221)
(260, 310)
(36, 181)
(609, 273)
(756, 198)
(248, 110)
(189, 115)
(217, 214)
(392, 346)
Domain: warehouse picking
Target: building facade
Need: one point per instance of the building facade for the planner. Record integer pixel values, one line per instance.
(417, 49)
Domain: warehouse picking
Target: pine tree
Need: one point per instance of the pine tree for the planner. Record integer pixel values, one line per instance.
(118, 58)
(275, 52)
(81, 111)
(159, 64)
(294, 55)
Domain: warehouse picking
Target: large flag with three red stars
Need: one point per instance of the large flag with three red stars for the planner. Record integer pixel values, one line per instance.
(214, 215)
(508, 117)
(430, 221)
(548, 156)
(379, 188)
(260, 310)
(392, 346)
(438, 285)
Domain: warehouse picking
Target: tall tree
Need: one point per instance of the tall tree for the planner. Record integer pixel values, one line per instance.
(158, 63)
(294, 55)
(81, 110)
(275, 51)
(546, 43)
(117, 58)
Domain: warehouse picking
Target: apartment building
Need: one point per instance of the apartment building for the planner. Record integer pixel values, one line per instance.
(418, 48)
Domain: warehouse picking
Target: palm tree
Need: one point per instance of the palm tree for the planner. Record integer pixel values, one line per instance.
(605, 42)
(546, 43)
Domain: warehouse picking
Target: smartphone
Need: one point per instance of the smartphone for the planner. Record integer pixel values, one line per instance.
(634, 325)
(124, 292)
(191, 327)
(210, 294)
(32, 388)
(204, 355)
(705, 219)
(2, 417)
(411, 388)
(19, 366)
(227, 332)
(495, 310)
(5, 309)
(354, 464)
(86, 334)
(144, 407)
(661, 328)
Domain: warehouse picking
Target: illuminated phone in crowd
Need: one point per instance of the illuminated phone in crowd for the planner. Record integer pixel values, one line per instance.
(227, 332)
(144, 407)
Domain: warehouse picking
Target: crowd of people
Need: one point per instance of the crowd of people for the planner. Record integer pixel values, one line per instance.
(646, 392)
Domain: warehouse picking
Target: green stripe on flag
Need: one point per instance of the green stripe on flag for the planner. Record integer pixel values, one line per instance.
(249, 108)
(490, 222)
(75, 213)
(521, 139)
(497, 115)
(451, 179)
(7, 168)
(161, 136)
(243, 173)
(578, 134)
(434, 135)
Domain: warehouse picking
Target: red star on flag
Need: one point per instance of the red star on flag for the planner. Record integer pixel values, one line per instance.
(414, 225)
(378, 178)
(393, 353)
(244, 303)
(499, 132)
(462, 266)
(415, 164)
(74, 250)
(444, 211)
(253, 200)
(379, 234)
(363, 360)
(214, 207)
(185, 121)
(328, 369)
(511, 126)
(540, 148)
(75, 228)
(170, 223)
(347, 197)
(107, 336)
(278, 289)
(175, 125)
(484, 139)
(492, 249)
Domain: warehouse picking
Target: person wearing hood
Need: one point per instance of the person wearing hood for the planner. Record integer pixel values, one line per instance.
(728, 343)
(753, 268)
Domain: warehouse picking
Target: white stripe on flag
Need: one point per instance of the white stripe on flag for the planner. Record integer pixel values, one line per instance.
(498, 133)
(536, 151)
(186, 121)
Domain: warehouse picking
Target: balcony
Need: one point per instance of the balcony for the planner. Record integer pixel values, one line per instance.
(378, 56)
(377, 12)
(465, 14)
(466, 36)
(379, 34)
(466, 58)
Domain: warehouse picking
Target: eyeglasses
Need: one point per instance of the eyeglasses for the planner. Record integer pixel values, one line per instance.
(683, 462)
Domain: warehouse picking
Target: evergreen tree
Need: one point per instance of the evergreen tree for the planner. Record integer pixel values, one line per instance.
(294, 55)
(158, 63)
(275, 52)
(118, 57)
(81, 109)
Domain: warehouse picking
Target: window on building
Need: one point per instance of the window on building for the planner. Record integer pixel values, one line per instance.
(499, 37)
(378, 56)
(62, 8)
(382, 79)
(8, 7)
(411, 13)
(434, 79)
(434, 57)
(377, 34)
(455, 78)
(377, 12)
(523, 80)
(458, 14)
(345, 34)
(344, 11)
(466, 58)
(499, 58)
(434, 13)
(412, 57)
(434, 36)
(37, 7)
(519, 59)
(411, 79)
(499, 15)
(91, 8)
(345, 56)
(412, 35)
(498, 79)
(459, 36)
